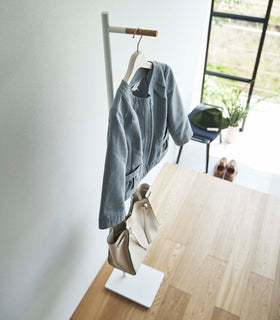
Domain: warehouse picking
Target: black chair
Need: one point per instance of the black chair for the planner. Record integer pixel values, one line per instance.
(201, 135)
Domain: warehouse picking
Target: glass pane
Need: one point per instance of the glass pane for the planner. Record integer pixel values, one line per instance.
(274, 19)
(217, 91)
(268, 75)
(233, 46)
(256, 8)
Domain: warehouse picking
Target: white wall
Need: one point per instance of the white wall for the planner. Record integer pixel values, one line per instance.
(53, 125)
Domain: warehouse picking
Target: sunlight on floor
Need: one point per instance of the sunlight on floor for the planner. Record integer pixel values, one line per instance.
(256, 151)
(258, 145)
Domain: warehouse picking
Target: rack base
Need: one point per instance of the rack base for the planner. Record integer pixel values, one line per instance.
(141, 288)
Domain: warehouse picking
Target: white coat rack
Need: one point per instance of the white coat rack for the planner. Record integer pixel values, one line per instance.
(143, 287)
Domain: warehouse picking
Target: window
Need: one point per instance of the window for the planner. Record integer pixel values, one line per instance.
(236, 33)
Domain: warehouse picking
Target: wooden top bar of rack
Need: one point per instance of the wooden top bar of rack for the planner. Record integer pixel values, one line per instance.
(143, 32)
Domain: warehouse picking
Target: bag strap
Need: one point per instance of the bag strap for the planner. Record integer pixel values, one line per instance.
(148, 193)
(139, 197)
(141, 244)
(137, 194)
(145, 190)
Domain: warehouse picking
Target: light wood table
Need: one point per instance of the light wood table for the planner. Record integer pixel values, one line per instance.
(218, 246)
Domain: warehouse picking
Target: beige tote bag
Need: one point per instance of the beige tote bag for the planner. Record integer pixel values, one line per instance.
(129, 241)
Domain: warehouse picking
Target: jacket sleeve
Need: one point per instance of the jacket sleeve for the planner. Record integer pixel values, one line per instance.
(177, 118)
(112, 206)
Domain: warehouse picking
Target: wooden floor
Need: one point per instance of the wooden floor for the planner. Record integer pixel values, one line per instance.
(218, 247)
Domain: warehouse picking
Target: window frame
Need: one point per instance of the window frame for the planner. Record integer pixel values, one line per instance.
(264, 21)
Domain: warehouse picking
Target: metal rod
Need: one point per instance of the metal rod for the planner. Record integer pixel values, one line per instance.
(179, 154)
(207, 156)
(227, 76)
(116, 29)
(238, 17)
(207, 47)
(257, 59)
(107, 56)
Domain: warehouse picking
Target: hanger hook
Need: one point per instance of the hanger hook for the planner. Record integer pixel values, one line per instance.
(139, 39)
(135, 32)
(139, 42)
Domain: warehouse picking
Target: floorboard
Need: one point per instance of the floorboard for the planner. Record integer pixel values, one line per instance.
(218, 246)
(173, 305)
(257, 298)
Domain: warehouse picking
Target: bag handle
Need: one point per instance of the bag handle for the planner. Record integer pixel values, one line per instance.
(141, 244)
(138, 194)
(139, 197)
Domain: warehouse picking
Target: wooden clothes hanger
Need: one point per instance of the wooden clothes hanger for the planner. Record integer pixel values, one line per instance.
(137, 60)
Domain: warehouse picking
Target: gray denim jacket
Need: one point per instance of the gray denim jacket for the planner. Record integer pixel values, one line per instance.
(143, 114)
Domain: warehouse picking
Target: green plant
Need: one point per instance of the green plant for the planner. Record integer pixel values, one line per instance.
(235, 114)
(234, 104)
(231, 97)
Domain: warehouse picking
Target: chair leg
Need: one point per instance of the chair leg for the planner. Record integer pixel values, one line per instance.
(220, 136)
(179, 154)
(207, 156)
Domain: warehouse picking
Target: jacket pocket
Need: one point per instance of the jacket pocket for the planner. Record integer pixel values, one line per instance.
(131, 180)
(162, 144)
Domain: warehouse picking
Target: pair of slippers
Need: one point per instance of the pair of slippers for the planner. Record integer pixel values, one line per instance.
(226, 170)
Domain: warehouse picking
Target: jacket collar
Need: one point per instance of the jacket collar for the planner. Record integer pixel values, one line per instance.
(151, 74)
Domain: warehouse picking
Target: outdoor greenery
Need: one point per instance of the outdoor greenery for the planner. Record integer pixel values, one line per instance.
(230, 97)
(236, 114)
(246, 7)
(233, 47)
(216, 88)
(232, 100)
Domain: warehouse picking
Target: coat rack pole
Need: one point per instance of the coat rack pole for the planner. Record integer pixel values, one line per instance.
(142, 287)
(107, 56)
(106, 28)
